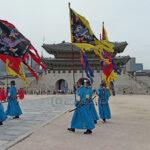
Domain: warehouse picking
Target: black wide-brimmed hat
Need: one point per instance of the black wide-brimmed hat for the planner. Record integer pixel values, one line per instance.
(103, 83)
(12, 82)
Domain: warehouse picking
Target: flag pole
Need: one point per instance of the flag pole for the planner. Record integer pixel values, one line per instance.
(101, 67)
(6, 76)
(81, 64)
(74, 87)
(82, 73)
(102, 30)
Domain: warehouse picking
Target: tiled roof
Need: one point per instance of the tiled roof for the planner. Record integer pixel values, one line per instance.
(60, 47)
(67, 47)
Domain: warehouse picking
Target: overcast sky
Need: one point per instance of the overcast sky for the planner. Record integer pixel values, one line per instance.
(48, 21)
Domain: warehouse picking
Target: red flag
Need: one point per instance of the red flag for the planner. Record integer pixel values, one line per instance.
(16, 49)
(13, 62)
(107, 69)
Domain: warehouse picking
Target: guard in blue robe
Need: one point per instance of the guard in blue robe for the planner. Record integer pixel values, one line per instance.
(90, 103)
(104, 110)
(13, 108)
(2, 114)
(82, 118)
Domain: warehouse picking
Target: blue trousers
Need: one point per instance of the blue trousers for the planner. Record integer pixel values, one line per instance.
(2, 113)
(104, 111)
(13, 108)
(82, 118)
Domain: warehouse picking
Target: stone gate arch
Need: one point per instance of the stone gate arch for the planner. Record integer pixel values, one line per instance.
(61, 86)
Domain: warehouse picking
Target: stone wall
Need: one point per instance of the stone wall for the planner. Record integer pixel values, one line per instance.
(124, 83)
(49, 80)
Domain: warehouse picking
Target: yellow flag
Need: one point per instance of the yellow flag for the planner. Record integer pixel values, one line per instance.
(104, 33)
(11, 72)
(81, 33)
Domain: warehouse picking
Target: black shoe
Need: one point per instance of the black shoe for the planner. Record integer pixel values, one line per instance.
(104, 120)
(88, 132)
(1, 123)
(95, 121)
(71, 129)
(16, 117)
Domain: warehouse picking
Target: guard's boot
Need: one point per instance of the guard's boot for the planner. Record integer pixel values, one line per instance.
(1, 123)
(88, 131)
(16, 117)
(104, 120)
(71, 129)
(95, 121)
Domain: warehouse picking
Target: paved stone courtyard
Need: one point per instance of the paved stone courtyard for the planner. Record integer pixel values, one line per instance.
(127, 130)
(37, 110)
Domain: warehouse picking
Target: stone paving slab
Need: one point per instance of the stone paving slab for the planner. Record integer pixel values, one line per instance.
(36, 111)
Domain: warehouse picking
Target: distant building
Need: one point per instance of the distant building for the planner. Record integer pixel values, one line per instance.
(138, 67)
(132, 66)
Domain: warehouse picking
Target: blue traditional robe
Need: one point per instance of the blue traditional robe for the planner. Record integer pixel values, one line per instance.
(81, 117)
(90, 104)
(104, 110)
(13, 108)
(2, 113)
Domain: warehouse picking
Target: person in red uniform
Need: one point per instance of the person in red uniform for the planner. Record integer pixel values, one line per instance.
(21, 93)
(0, 95)
(3, 94)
